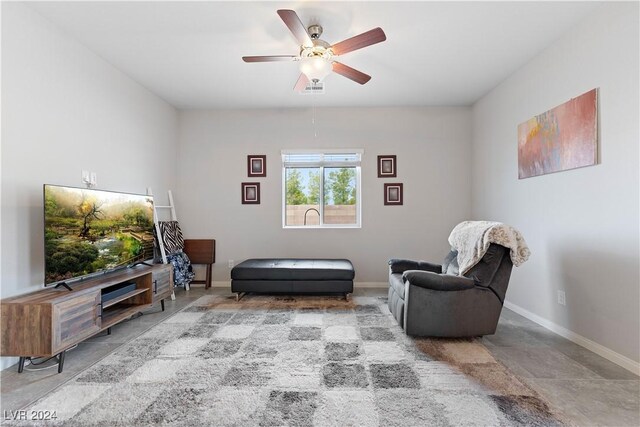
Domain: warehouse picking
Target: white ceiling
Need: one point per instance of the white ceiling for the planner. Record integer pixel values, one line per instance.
(436, 53)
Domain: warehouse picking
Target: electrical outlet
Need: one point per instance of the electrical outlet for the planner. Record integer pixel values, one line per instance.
(230, 263)
(562, 300)
(86, 177)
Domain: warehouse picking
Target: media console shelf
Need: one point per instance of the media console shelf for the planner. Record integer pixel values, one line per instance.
(48, 322)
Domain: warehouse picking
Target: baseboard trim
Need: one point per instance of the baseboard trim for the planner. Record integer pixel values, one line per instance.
(221, 284)
(599, 349)
(7, 362)
(371, 285)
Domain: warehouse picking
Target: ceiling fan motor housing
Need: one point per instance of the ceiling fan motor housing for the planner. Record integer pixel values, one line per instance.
(315, 31)
(320, 48)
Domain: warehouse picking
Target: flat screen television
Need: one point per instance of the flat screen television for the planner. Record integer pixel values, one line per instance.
(88, 232)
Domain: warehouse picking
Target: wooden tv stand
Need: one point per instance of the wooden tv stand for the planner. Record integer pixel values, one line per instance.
(46, 323)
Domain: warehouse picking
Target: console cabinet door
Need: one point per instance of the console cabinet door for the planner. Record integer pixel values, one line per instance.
(162, 282)
(76, 319)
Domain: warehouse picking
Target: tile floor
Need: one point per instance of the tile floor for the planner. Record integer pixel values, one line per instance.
(587, 388)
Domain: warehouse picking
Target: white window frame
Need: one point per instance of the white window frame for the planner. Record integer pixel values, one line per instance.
(322, 164)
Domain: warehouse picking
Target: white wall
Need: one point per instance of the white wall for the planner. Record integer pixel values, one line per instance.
(581, 225)
(432, 148)
(64, 109)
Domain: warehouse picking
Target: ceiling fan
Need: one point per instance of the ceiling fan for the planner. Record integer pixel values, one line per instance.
(316, 56)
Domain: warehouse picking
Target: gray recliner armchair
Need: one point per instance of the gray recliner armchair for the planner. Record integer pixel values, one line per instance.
(432, 300)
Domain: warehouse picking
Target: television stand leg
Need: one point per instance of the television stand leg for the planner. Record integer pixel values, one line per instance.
(61, 361)
(21, 364)
(108, 331)
(162, 304)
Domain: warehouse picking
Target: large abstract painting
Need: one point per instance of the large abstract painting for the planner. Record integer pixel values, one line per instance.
(565, 137)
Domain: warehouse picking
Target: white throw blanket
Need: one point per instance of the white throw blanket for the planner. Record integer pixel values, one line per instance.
(472, 239)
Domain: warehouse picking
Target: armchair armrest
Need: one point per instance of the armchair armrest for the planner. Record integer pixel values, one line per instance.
(402, 265)
(437, 282)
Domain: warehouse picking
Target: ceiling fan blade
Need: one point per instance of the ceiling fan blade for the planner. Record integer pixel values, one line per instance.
(302, 82)
(358, 42)
(272, 58)
(294, 23)
(350, 73)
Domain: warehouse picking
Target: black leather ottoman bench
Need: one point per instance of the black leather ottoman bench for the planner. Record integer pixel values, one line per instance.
(292, 276)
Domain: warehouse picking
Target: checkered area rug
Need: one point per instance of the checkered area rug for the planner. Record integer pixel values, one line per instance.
(300, 361)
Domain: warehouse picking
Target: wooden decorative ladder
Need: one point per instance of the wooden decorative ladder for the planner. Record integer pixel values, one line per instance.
(172, 211)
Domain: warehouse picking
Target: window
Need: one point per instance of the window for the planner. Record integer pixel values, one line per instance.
(321, 189)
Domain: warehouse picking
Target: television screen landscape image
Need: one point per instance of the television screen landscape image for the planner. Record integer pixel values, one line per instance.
(90, 231)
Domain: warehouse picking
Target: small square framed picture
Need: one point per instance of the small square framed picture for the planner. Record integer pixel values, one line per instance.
(387, 166)
(256, 165)
(393, 194)
(250, 193)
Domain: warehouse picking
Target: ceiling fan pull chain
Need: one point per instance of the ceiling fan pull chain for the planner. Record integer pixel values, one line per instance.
(313, 116)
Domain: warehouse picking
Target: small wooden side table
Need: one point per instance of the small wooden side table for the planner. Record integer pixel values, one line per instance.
(201, 251)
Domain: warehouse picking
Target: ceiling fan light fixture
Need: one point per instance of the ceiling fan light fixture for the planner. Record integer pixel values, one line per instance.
(316, 68)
